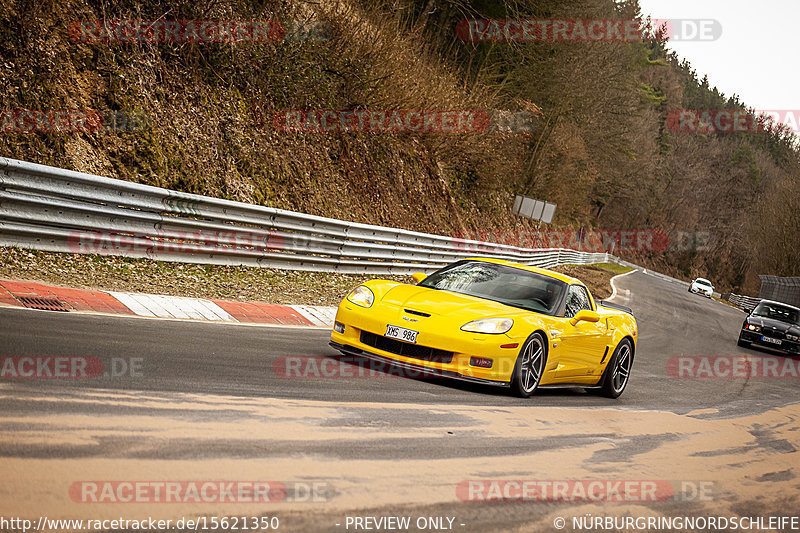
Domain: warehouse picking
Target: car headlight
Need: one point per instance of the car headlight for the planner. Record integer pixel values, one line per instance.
(362, 296)
(792, 337)
(494, 326)
(751, 327)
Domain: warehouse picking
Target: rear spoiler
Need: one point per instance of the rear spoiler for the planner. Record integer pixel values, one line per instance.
(617, 307)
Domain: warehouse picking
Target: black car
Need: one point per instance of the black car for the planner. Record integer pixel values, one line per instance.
(772, 324)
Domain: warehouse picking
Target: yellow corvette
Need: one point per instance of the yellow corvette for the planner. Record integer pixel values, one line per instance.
(493, 322)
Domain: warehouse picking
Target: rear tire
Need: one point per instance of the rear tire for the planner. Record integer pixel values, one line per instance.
(618, 370)
(529, 367)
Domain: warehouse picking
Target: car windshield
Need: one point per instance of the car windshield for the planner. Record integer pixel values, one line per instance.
(778, 312)
(500, 283)
(701, 281)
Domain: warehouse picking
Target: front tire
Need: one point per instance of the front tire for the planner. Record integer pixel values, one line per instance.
(529, 367)
(618, 370)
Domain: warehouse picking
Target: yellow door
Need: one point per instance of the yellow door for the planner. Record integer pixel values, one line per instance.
(582, 345)
(582, 348)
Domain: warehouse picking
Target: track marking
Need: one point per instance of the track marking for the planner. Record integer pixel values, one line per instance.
(614, 286)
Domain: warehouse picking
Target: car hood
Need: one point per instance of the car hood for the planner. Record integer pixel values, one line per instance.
(445, 303)
(777, 325)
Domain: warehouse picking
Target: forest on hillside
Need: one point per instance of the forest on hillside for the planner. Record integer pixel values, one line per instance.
(605, 152)
(601, 146)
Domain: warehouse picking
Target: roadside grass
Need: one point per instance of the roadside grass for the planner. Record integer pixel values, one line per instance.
(596, 277)
(112, 273)
(613, 267)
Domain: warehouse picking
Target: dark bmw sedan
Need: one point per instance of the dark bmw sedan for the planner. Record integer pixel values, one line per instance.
(772, 324)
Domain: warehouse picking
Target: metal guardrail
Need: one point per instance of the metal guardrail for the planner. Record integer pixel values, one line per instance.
(780, 289)
(745, 302)
(53, 209)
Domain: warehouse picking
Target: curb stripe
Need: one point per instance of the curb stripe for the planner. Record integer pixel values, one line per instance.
(160, 306)
(170, 307)
(132, 304)
(261, 313)
(211, 311)
(317, 315)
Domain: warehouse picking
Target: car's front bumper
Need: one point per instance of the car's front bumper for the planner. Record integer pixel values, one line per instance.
(786, 346)
(435, 335)
(698, 290)
(414, 368)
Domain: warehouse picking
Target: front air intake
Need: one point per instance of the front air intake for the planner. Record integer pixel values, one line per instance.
(414, 351)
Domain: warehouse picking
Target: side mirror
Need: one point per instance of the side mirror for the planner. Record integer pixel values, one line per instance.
(584, 315)
(418, 276)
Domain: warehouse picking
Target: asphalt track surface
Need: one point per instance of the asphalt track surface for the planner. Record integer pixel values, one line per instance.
(194, 357)
(181, 361)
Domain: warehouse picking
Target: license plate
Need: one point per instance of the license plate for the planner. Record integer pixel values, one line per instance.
(771, 340)
(401, 334)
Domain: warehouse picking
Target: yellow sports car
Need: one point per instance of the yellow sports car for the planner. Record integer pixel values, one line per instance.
(493, 322)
